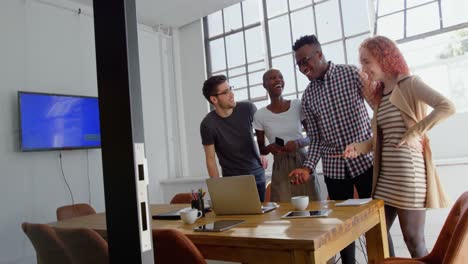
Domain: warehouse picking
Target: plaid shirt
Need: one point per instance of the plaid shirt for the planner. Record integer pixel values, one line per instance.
(335, 117)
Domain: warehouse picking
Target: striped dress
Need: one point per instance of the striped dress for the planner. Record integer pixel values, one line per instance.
(402, 177)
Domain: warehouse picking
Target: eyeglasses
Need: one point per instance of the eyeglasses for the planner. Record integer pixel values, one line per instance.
(303, 61)
(227, 91)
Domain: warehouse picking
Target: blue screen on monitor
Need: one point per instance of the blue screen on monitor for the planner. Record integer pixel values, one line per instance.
(50, 121)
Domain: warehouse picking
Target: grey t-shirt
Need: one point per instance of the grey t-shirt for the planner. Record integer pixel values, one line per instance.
(233, 139)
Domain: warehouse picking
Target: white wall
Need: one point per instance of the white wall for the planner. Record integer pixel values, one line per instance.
(191, 73)
(45, 48)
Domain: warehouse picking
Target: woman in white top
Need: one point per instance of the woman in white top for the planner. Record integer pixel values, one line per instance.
(281, 122)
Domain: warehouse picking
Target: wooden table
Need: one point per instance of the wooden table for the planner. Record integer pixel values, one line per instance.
(268, 238)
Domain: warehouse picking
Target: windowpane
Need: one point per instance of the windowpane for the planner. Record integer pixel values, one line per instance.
(232, 17)
(303, 23)
(334, 52)
(294, 4)
(254, 43)
(276, 7)
(257, 66)
(250, 9)
(237, 71)
(257, 91)
(215, 24)
(218, 60)
(256, 78)
(352, 49)
(422, 19)
(328, 21)
(411, 3)
(238, 82)
(235, 49)
(454, 12)
(286, 66)
(219, 73)
(355, 17)
(391, 26)
(280, 39)
(389, 6)
(241, 95)
(442, 62)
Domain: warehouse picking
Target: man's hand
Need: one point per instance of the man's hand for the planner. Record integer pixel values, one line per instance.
(299, 176)
(264, 161)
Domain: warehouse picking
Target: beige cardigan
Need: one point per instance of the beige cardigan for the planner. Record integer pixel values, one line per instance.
(411, 97)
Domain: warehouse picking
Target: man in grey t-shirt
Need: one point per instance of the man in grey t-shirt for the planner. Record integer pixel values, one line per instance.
(227, 131)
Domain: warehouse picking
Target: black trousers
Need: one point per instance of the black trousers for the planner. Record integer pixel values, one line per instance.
(344, 189)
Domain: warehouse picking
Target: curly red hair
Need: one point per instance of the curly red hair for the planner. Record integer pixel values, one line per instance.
(390, 60)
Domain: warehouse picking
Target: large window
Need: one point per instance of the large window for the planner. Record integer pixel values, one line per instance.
(245, 39)
(433, 36)
(234, 38)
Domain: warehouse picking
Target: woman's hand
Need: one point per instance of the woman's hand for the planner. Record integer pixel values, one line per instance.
(350, 152)
(274, 148)
(413, 142)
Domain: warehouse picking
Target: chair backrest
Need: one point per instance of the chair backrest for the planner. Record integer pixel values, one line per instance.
(172, 246)
(74, 210)
(182, 198)
(451, 246)
(268, 192)
(49, 248)
(84, 245)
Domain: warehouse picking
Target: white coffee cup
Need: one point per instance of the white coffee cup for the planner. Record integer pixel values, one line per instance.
(300, 202)
(189, 216)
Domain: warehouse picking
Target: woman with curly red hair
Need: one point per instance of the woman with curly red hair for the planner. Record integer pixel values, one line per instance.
(404, 173)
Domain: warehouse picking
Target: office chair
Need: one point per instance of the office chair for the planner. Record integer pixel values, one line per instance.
(84, 245)
(49, 248)
(74, 210)
(451, 246)
(182, 198)
(172, 246)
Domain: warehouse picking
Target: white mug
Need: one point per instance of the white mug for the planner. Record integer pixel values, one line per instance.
(300, 202)
(189, 216)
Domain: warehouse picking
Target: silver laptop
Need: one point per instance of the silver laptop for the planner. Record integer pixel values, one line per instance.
(235, 195)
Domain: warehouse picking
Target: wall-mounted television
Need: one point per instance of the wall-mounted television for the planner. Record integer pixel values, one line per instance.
(57, 121)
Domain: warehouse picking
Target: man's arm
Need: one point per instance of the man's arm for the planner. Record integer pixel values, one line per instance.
(211, 161)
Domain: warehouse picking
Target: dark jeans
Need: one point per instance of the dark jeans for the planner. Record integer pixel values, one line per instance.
(342, 190)
(260, 180)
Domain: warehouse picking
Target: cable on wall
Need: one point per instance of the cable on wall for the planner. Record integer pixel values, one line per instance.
(65, 179)
(87, 172)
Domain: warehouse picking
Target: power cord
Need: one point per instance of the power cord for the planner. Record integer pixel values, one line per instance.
(87, 172)
(65, 179)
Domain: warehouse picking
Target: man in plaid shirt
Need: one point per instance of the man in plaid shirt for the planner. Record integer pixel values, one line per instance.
(335, 116)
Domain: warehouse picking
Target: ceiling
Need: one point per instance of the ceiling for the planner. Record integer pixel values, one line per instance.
(173, 13)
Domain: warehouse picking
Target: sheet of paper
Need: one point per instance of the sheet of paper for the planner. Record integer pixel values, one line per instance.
(354, 202)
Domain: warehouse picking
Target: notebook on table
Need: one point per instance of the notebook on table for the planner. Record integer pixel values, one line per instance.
(236, 195)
